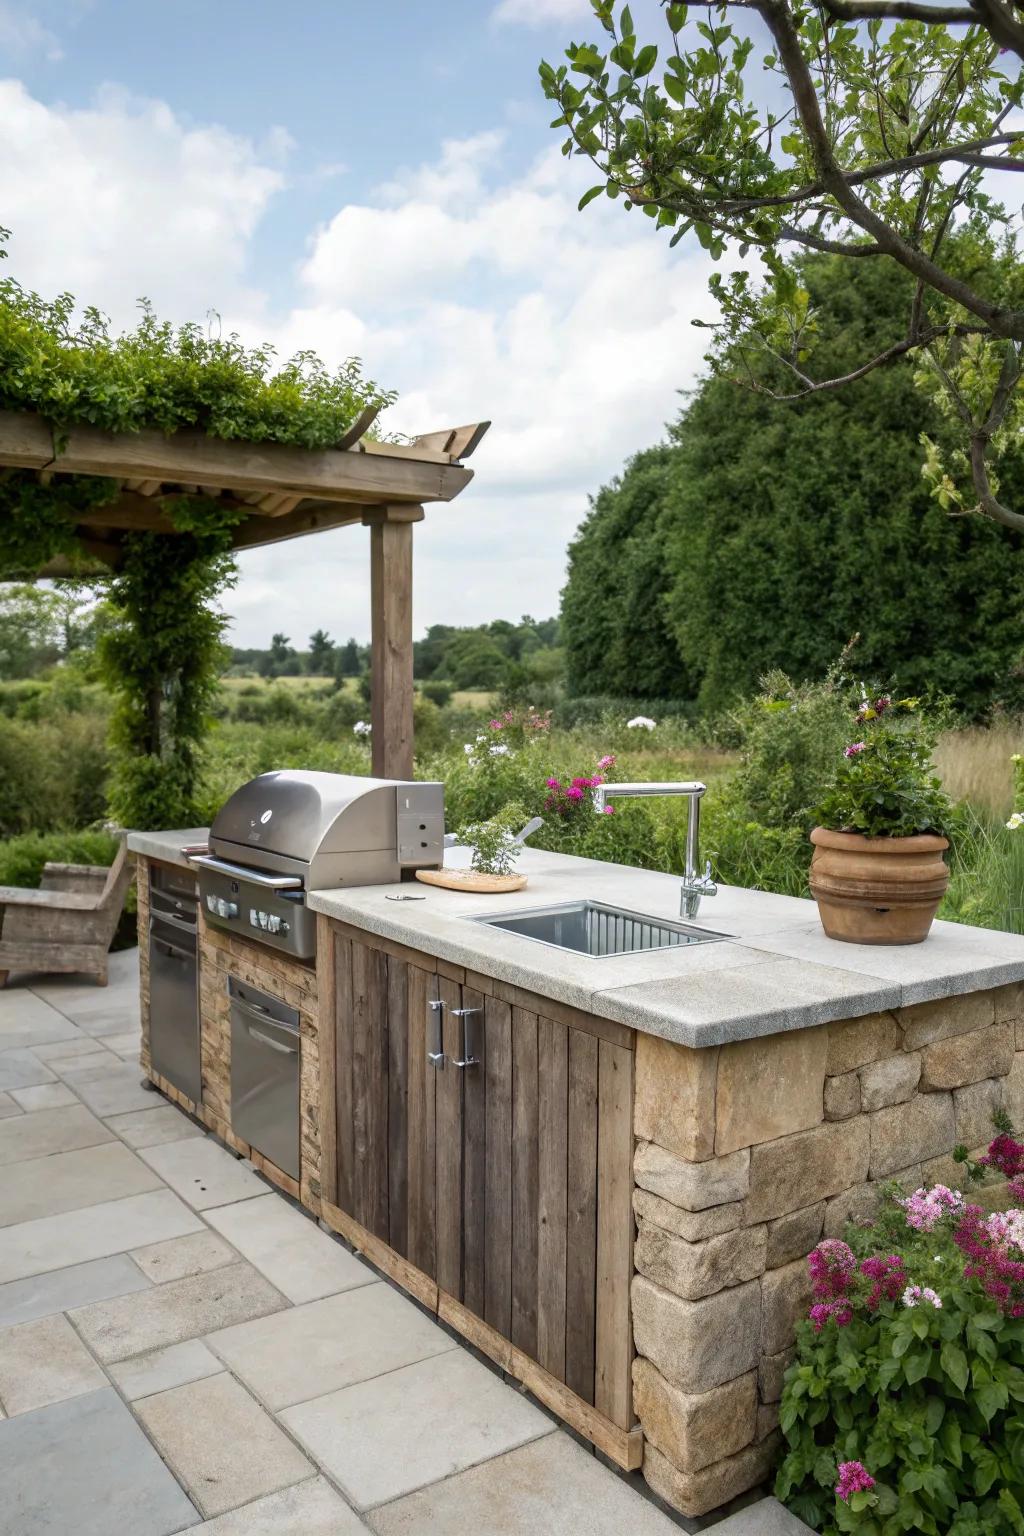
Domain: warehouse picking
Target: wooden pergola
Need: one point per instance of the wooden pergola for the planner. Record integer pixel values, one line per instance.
(285, 493)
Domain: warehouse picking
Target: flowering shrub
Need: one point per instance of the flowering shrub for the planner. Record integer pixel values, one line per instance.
(572, 800)
(904, 1409)
(884, 784)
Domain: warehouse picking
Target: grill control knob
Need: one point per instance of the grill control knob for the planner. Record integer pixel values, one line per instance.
(226, 908)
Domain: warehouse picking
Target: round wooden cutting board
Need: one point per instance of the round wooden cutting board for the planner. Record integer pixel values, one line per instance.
(471, 880)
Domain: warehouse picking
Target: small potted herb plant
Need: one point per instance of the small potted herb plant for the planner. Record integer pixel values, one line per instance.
(878, 872)
(496, 844)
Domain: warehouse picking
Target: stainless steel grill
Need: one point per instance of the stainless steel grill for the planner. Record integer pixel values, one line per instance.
(290, 832)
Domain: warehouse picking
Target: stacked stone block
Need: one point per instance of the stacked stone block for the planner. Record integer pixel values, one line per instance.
(746, 1155)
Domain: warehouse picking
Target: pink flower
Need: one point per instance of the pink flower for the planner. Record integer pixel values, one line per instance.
(889, 1276)
(552, 783)
(925, 1207)
(609, 810)
(1006, 1154)
(854, 748)
(574, 792)
(497, 725)
(853, 1478)
(606, 762)
(915, 1293)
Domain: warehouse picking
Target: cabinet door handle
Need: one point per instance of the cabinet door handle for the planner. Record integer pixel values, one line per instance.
(468, 1058)
(435, 1033)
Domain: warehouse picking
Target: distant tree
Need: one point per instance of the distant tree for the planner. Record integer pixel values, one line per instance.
(474, 660)
(766, 535)
(617, 634)
(348, 659)
(280, 659)
(321, 654)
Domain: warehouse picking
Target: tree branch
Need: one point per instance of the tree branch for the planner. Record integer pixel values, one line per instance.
(777, 17)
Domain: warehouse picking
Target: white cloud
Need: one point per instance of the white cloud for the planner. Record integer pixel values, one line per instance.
(22, 35)
(155, 207)
(475, 289)
(482, 294)
(537, 13)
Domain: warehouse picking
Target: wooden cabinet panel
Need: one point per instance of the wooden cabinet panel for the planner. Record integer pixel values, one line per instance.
(507, 1181)
(498, 1165)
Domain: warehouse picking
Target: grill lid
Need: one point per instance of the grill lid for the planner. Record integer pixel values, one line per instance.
(297, 814)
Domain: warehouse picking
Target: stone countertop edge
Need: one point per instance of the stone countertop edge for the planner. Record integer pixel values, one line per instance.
(167, 846)
(777, 971)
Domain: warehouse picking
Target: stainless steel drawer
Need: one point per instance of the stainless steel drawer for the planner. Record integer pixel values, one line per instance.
(265, 1075)
(174, 1005)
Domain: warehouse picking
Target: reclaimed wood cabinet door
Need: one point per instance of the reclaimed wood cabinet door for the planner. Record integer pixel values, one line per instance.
(491, 1147)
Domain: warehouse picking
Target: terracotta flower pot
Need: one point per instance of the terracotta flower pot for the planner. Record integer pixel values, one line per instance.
(877, 890)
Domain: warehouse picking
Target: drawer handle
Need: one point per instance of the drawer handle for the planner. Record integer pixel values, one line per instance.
(468, 1058)
(435, 1033)
(275, 1045)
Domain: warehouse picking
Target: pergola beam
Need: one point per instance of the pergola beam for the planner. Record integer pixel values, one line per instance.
(367, 473)
(283, 493)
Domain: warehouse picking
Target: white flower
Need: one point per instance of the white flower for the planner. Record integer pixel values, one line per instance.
(468, 749)
(915, 1293)
(362, 728)
(1015, 821)
(640, 722)
(500, 751)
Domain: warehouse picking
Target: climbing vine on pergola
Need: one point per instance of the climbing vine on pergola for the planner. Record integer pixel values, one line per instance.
(147, 459)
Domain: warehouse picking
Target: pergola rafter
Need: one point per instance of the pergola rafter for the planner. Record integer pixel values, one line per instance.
(285, 493)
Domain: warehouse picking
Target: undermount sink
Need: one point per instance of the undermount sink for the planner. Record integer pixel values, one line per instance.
(591, 928)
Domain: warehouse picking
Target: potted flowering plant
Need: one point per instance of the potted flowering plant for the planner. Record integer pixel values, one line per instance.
(878, 872)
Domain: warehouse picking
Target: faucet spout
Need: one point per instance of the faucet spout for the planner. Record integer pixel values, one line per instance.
(694, 885)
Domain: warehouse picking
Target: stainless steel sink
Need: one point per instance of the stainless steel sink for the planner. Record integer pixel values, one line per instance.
(591, 928)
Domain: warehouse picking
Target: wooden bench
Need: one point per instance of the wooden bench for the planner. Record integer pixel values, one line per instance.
(69, 923)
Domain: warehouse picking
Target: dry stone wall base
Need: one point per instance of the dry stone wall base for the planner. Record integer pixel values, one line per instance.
(789, 1139)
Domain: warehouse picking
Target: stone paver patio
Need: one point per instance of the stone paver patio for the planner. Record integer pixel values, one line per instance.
(182, 1349)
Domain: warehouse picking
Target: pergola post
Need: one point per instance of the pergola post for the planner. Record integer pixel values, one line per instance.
(391, 685)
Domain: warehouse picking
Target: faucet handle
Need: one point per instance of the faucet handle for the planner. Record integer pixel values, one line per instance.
(710, 888)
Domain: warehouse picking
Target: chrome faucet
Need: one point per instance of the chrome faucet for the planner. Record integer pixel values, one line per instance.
(693, 886)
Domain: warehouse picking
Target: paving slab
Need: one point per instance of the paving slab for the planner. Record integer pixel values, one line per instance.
(290, 1249)
(184, 1256)
(50, 1130)
(551, 1486)
(162, 1369)
(224, 1448)
(77, 1045)
(203, 1173)
(44, 1362)
(316, 1348)
(126, 1045)
(386, 1437)
(45, 1096)
(82, 1061)
(311, 1508)
(110, 1090)
(26, 1019)
(150, 1127)
(69, 1181)
(8, 1106)
(62, 1289)
(85, 1467)
(55, 1242)
(765, 1518)
(21, 1068)
(181, 1309)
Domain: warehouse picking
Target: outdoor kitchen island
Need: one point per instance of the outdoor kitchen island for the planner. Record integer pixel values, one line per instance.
(606, 1172)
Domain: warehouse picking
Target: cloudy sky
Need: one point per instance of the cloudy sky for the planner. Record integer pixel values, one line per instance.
(371, 179)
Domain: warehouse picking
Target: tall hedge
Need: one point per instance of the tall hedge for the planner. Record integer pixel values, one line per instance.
(766, 534)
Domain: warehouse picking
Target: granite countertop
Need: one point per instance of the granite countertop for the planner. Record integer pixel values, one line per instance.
(776, 970)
